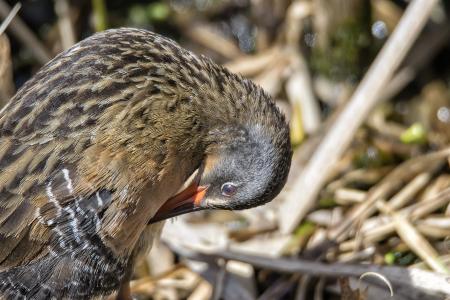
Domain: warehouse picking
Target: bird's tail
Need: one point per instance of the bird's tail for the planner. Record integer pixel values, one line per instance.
(61, 277)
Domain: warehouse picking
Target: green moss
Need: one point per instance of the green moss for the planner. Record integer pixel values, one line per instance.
(327, 202)
(389, 258)
(141, 14)
(138, 15)
(300, 237)
(372, 157)
(349, 50)
(406, 258)
(305, 229)
(101, 15)
(403, 258)
(415, 134)
(158, 11)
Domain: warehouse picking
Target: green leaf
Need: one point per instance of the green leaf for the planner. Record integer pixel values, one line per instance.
(415, 134)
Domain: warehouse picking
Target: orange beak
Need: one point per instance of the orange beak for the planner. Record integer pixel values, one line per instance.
(186, 201)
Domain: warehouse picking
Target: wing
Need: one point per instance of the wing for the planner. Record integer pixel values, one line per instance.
(28, 166)
(49, 226)
(80, 142)
(49, 213)
(48, 126)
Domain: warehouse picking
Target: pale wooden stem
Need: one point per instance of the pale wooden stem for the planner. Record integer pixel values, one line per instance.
(303, 196)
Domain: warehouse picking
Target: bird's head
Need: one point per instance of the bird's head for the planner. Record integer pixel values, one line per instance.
(243, 167)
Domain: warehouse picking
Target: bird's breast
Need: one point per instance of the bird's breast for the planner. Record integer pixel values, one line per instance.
(140, 195)
(151, 233)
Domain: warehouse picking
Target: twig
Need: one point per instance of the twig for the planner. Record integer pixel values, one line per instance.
(206, 36)
(10, 17)
(420, 280)
(21, 31)
(219, 283)
(99, 8)
(364, 99)
(345, 196)
(251, 65)
(280, 288)
(407, 193)
(6, 75)
(299, 92)
(413, 239)
(421, 56)
(298, 86)
(381, 277)
(66, 32)
(415, 212)
(393, 181)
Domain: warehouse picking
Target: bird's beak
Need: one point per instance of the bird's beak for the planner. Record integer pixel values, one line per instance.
(187, 200)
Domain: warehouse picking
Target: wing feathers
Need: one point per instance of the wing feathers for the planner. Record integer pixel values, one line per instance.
(51, 245)
(8, 245)
(20, 219)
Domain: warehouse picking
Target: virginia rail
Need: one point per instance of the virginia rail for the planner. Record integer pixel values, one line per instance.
(95, 147)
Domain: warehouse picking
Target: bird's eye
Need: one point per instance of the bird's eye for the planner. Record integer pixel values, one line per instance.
(228, 189)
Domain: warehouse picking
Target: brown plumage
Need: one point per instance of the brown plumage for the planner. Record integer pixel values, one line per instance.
(95, 146)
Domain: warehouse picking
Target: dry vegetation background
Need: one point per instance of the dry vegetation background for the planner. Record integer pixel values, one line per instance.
(366, 211)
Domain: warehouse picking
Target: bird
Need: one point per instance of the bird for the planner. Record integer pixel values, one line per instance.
(112, 137)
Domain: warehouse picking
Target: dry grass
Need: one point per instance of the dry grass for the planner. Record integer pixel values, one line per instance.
(368, 193)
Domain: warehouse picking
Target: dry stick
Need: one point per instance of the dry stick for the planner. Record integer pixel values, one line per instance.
(302, 197)
(206, 36)
(10, 17)
(429, 282)
(430, 43)
(391, 182)
(100, 15)
(299, 85)
(219, 282)
(7, 88)
(410, 190)
(20, 30)
(399, 200)
(414, 212)
(251, 65)
(66, 31)
(415, 241)
(6, 74)
(299, 92)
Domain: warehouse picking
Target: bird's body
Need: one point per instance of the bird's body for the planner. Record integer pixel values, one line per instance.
(96, 142)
